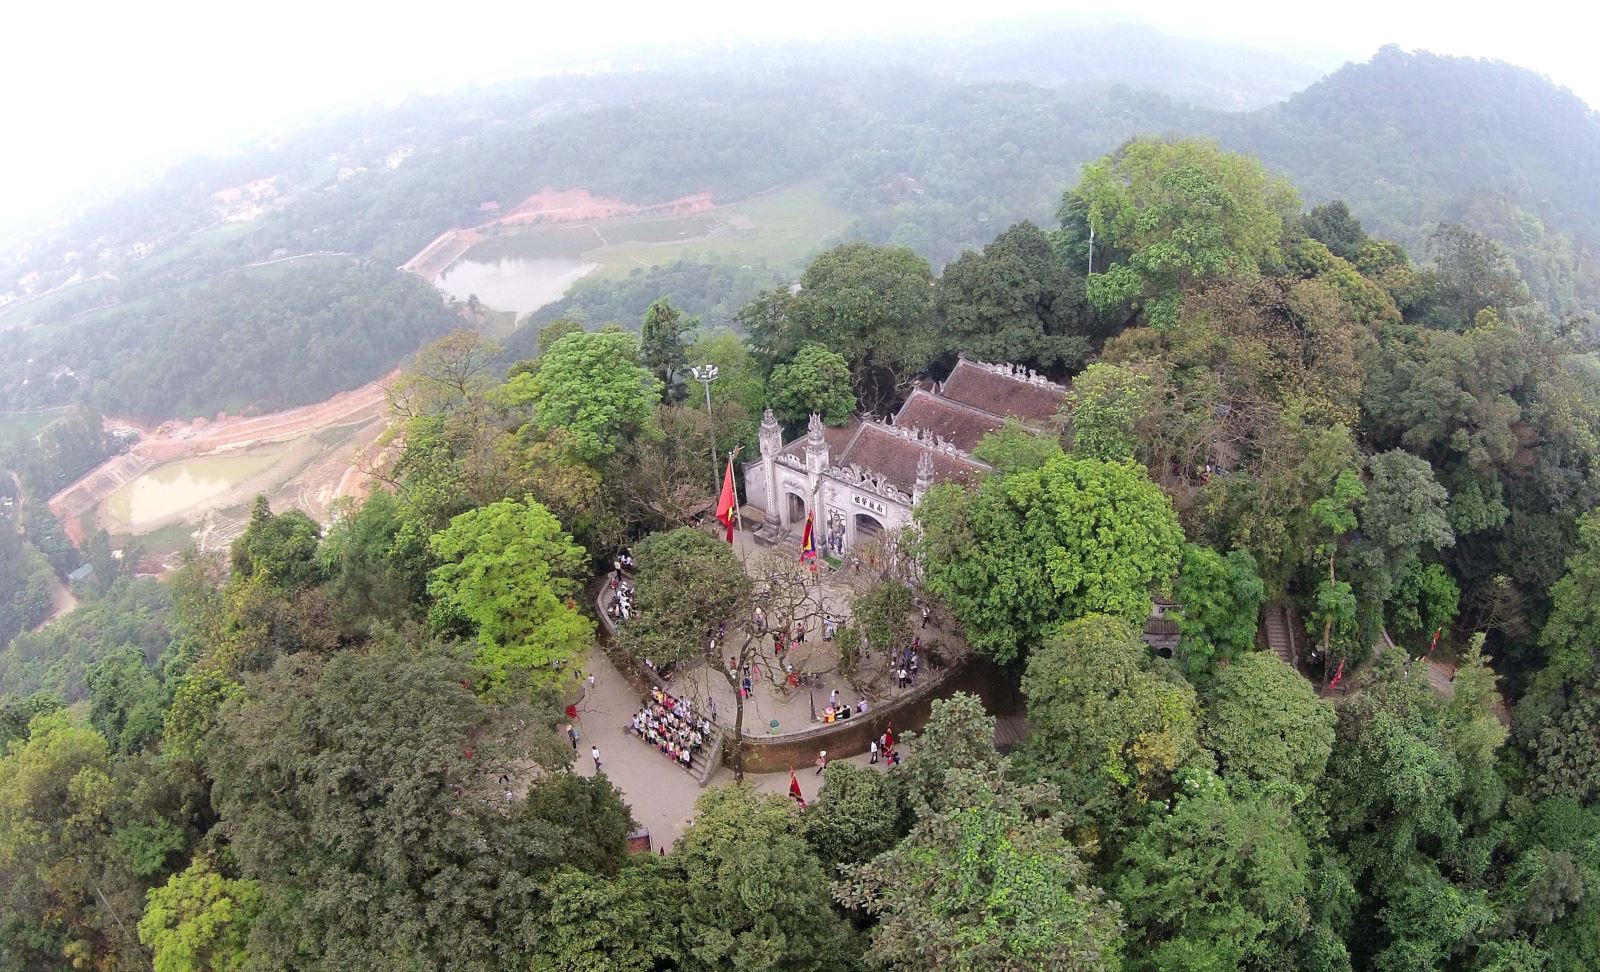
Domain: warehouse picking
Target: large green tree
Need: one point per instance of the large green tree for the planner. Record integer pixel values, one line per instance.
(1011, 302)
(1410, 789)
(199, 921)
(1106, 404)
(750, 894)
(623, 922)
(1265, 722)
(1222, 881)
(1041, 546)
(76, 850)
(858, 814)
(370, 778)
(959, 735)
(1173, 213)
(663, 346)
(816, 380)
(591, 387)
(1109, 724)
(509, 576)
(688, 582)
(985, 883)
(871, 304)
(279, 548)
(1402, 518)
(1219, 601)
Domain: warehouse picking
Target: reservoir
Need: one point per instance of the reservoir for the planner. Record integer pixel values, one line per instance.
(177, 487)
(520, 284)
(524, 271)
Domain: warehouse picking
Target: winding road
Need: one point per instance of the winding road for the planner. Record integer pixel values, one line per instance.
(62, 599)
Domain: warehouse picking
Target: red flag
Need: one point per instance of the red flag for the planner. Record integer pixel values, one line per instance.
(808, 542)
(1337, 675)
(1435, 643)
(794, 788)
(728, 503)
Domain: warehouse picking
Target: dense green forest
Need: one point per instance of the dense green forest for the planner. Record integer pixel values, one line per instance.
(248, 341)
(1270, 406)
(938, 162)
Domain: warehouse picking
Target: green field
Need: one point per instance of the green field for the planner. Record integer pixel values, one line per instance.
(30, 422)
(781, 227)
(24, 313)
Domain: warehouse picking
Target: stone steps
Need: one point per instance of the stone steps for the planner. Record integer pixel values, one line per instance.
(1279, 639)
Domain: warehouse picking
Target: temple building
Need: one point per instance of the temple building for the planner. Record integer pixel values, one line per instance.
(865, 477)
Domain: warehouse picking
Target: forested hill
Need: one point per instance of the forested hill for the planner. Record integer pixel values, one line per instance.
(1411, 128)
(1081, 58)
(1411, 140)
(935, 156)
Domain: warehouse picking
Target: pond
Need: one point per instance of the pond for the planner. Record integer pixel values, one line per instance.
(524, 271)
(520, 284)
(178, 487)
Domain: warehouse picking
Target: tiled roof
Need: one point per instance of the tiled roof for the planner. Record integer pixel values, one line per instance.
(961, 425)
(837, 439)
(985, 386)
(881, 450)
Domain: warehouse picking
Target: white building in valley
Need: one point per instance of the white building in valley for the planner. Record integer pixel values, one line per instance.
(865, 477)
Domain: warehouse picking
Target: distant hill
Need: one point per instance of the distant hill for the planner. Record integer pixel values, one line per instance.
(1226, 77)
(935, 145)
(1410, 140)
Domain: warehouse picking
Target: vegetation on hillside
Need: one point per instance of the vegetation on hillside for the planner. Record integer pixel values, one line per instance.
(1283, 409)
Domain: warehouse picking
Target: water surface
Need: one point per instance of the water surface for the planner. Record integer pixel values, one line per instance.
(176, 487)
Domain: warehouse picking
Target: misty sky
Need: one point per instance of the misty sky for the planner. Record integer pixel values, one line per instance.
(97, 96)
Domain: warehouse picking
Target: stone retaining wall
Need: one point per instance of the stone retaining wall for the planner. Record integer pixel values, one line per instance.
(764, 753)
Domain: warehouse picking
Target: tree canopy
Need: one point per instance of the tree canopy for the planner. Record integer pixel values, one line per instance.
(1174, 213)
(509, 577)
(1031, 549)
(590, 386)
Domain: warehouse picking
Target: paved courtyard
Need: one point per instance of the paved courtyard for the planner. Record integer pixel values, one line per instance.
(799, 704)
(661, 794)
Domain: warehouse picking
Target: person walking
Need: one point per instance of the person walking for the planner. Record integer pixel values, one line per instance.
(594, 751)
(591, 681)
(873, 750)
(925, 613)
(822, 761)
(572, 734)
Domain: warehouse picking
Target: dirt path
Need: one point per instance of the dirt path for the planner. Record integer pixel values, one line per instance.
(62, 599)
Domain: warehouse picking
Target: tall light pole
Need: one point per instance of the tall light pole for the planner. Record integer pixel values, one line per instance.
(705, 375)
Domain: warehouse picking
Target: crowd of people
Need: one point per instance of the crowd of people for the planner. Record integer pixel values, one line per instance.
(621, 606)
(905, 663)
(672, 726)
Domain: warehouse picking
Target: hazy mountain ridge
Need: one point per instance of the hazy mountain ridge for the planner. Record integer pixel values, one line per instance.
(922, 155)
(1450, 126)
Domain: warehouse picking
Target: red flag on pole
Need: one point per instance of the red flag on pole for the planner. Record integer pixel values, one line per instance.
(808, 542)
(1337, 675)
(794, 788)
(728, 503)
(1435, 642)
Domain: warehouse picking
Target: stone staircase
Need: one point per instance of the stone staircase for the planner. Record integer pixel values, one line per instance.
(1280, 637)
(710, 757)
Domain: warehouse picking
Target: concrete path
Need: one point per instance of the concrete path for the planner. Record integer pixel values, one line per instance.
(661, 793)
